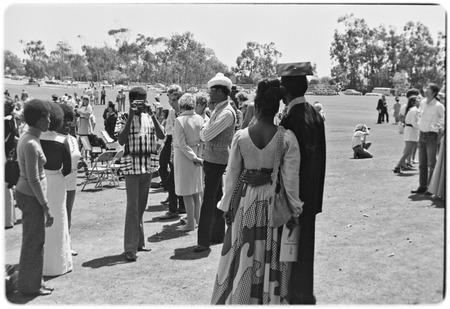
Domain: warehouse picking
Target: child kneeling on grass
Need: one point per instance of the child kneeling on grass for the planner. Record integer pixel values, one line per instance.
(359, 144)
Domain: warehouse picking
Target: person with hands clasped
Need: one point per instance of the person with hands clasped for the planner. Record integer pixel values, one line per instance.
(32, 199)
(187, 160)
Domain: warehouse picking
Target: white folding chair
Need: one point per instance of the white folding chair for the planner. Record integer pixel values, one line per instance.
(100, 169)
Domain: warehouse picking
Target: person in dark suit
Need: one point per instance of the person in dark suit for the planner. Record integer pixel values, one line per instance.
(382, 110)
(308, 126)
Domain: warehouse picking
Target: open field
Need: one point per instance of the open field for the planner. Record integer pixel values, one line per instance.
(376, 243)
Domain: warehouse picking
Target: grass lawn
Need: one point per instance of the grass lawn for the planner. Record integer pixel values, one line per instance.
(376, 243)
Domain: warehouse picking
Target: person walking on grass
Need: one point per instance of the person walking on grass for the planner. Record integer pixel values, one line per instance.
(137, 136)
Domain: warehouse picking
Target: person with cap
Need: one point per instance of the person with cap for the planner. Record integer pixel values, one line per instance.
(217, 134)
(308, 126)
(137, 137)
(176, 203)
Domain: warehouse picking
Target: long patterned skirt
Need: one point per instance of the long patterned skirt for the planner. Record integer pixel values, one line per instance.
(249, 268)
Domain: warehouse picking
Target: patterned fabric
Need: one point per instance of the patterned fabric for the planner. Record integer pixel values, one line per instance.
(249, 269)
(141, 152)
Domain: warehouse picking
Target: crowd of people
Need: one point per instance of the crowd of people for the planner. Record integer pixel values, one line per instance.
(221, 155)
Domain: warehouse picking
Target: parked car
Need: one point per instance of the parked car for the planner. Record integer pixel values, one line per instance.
(352, 92)
(373, 94)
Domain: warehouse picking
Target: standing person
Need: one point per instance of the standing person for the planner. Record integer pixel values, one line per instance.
(432, 114)
(120, 100)
(187, 162)
(201, 103)
(217, 134)
(85, 111)
(138, 137)
(96, 96)
(308, 126)
(411, 133)
(75, 155)
(10, 150)
(103, 96)
(384, 111)
(176, 203)
(32, 199)
(110, 119)
(257, 276)
(380, 109)
(396, 108)
(24, 95)
(57, 254)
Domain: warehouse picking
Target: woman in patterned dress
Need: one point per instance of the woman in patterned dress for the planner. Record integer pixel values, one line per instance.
(249, 269)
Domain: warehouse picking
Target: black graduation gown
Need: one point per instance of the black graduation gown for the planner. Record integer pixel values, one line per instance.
(308, 126)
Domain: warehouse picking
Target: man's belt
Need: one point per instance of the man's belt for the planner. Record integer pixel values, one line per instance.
(408, 125)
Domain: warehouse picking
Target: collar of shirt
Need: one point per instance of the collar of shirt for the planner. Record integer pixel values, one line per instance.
(34, 131)
(219, 107)
(294, 102)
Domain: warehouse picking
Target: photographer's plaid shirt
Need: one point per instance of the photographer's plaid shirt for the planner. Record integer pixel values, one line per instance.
(140, 153)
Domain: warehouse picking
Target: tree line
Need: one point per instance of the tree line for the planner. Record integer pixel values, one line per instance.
(363, 58)
(379, 57)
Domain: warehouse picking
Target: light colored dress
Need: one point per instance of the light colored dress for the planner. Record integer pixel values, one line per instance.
(412, 133)
(186, 147)
(75, 155)
(57, 250)
(249, 268)
(85, 126)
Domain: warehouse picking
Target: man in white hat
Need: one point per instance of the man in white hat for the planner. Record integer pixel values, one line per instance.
(217, 134)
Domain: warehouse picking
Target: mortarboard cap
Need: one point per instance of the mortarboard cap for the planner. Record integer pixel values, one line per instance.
(294, 69)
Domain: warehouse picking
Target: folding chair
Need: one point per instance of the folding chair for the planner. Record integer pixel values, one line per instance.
(100, 170)
(110, 143)
(115, 167)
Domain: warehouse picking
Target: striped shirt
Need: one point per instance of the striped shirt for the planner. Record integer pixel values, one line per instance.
(217, 123)
(140, 153)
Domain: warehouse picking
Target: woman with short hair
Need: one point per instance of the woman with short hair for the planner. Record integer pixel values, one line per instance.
(188, 171)
(32, 200)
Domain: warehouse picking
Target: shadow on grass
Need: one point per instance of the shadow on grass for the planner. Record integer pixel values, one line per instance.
(156, 208)
(407, 174)
(189, 254)
(168, 232)
(435, 202)
(106, 261)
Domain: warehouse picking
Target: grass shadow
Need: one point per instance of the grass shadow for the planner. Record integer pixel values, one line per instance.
(168, 232)
(189, 254)
(407, 174)
(435, 202)
(111, 260)
(156, 208)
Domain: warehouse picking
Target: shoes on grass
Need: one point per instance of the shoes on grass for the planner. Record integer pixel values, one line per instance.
(169, 215)
(200, 248)
(130, 256)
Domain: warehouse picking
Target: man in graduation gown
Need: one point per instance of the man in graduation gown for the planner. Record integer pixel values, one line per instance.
(308, 126)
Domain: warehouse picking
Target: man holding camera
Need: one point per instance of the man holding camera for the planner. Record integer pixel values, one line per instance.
(138, 136)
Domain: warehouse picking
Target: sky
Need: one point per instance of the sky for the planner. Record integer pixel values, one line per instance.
(300, 31)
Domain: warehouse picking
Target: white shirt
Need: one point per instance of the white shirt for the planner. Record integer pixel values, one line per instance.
(218, 122)
(170, 122)
(431, 116)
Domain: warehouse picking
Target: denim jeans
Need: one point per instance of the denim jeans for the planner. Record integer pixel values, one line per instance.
(137, 187)
(428, 146)
(211, 227)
